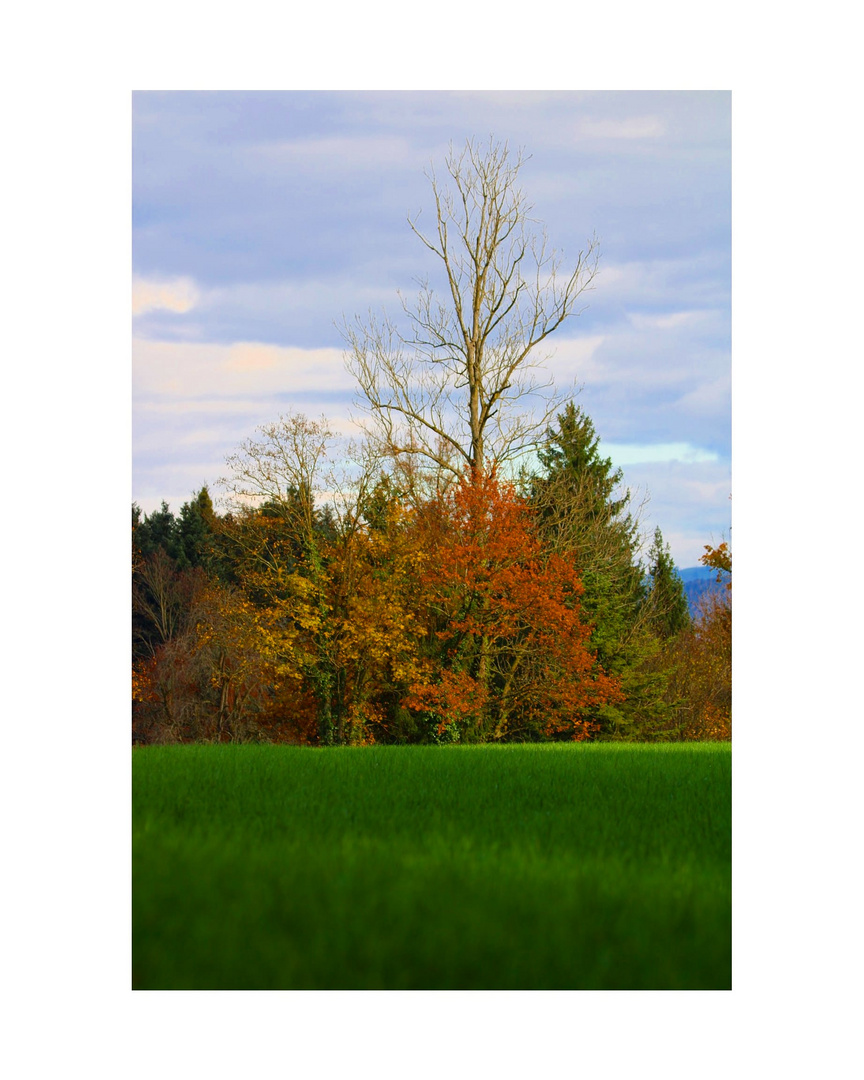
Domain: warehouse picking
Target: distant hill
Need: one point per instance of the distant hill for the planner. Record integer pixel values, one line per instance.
(699, 580)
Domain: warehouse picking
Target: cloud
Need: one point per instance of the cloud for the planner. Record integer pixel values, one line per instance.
(181, 443)
(177, 294)
(182, 408)
(254, 357)
(640, 454)
(529, 116)
(639, 362)
(198, 371)
(343, 153)
(669, 321)
(302, 312)
(697, 282)
(635, 127)
(195, 402)
(576, 358)
(708, 399)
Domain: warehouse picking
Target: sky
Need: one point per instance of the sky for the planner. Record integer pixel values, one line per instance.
(262, 219)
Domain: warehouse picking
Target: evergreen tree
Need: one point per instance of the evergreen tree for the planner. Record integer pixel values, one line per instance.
(668, 611)
(571, 456)
(194, 530)
(185, 539)
(583, 512)
(167, 554)
(156, 530)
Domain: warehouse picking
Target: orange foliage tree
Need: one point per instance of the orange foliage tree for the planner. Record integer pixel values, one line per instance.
(509, 655)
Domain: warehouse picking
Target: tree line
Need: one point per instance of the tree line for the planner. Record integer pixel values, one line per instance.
(469, 610)
(424, 586)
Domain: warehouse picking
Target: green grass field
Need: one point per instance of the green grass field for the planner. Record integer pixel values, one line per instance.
(604, 866)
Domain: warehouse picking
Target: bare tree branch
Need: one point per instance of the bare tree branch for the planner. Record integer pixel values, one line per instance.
(460, 386)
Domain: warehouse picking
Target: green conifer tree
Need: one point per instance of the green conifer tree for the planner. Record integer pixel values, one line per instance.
(194, 530)
(156, 530)
(668, 610)
(584, 512)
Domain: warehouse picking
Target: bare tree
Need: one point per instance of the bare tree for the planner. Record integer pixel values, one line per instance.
(284, 467)
(297, 466)
(162, 597)
(460, 385)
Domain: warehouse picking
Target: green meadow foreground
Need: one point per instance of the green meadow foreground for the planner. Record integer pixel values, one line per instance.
(598, 866)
